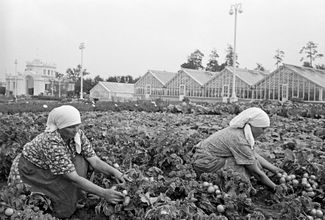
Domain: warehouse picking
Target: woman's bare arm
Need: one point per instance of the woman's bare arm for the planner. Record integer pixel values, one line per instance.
(267, 165)
(260, 175)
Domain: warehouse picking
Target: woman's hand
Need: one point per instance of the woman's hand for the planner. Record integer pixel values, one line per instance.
(278, 170)
(280, 189)
(113, 196)
(121, 178)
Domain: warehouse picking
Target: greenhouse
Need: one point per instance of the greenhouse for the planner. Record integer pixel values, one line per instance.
(152, 84)
(292, 82)
(188, 83)
(220, 86)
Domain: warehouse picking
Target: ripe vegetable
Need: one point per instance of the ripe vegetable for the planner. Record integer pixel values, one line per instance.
(288, 178)
(216, 187)
(295, 182)
(116, 165)
(319, 213)
(9, 211)
(311, 194)
(211, 189)
(125, 192)
(220, 208)
(282, 180)
(313, 212)
(313, 177)
(127, 200)
(206, 184)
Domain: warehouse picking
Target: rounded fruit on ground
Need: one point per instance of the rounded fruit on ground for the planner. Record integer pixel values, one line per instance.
(311, 193)
(127, 200)
(220, 208)
(9, 211)
(216, 187)
(295, 182)
(313, 212)
(211, 189)
(288, 178)
(319, 213)
(282, 180)
(313, 177)
(206, 184)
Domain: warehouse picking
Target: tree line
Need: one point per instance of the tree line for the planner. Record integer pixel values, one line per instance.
(309, 54)
(88, 83)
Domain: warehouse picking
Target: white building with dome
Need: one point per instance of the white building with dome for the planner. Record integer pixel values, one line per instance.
(38, 79)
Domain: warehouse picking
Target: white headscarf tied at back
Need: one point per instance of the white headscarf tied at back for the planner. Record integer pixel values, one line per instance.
(62, 117)
(250, 117)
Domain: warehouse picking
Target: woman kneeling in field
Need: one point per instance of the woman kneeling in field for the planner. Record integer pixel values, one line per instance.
(233, 147)
(55, 163)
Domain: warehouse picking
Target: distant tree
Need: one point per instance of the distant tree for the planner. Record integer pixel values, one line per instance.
(121, 79)
(259, 67)
(213, 64)
(230, 56)
(194, 61)
(310, 53)
(306, 64)
(59, 75)
(74, 73)
(279, 55)
(87, 86)
(97, 79)
(136, 79)
(320, 66)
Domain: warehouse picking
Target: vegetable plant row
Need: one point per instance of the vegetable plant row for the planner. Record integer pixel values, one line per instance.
(155, 150)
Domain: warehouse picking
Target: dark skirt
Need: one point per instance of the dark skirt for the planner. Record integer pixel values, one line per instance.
(62, 192)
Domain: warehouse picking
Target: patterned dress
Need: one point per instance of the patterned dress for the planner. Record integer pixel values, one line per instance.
(227, 148)
(50, 152)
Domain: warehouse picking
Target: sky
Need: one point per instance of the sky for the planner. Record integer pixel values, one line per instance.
(130, 37)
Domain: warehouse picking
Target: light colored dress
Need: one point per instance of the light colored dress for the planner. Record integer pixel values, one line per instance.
(227, 148)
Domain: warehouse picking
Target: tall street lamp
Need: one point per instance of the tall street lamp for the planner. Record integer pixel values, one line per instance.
(81, 47)
(16, 90)
(234, 9)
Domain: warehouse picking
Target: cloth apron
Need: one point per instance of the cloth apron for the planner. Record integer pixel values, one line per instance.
(62, 192)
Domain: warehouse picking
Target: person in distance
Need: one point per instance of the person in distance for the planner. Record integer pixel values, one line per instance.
(233, 147)
(55, 163)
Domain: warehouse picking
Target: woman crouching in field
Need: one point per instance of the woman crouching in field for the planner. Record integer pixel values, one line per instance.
(233, 147)
(55, 163)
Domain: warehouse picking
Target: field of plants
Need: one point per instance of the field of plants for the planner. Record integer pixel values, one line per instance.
(152, 142)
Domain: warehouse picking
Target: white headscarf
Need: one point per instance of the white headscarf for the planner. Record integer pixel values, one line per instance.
(250, 117)
(62, 117)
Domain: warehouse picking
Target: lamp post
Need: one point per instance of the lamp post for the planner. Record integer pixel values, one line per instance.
(16, 62)
(81, 47)
(235, 8)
